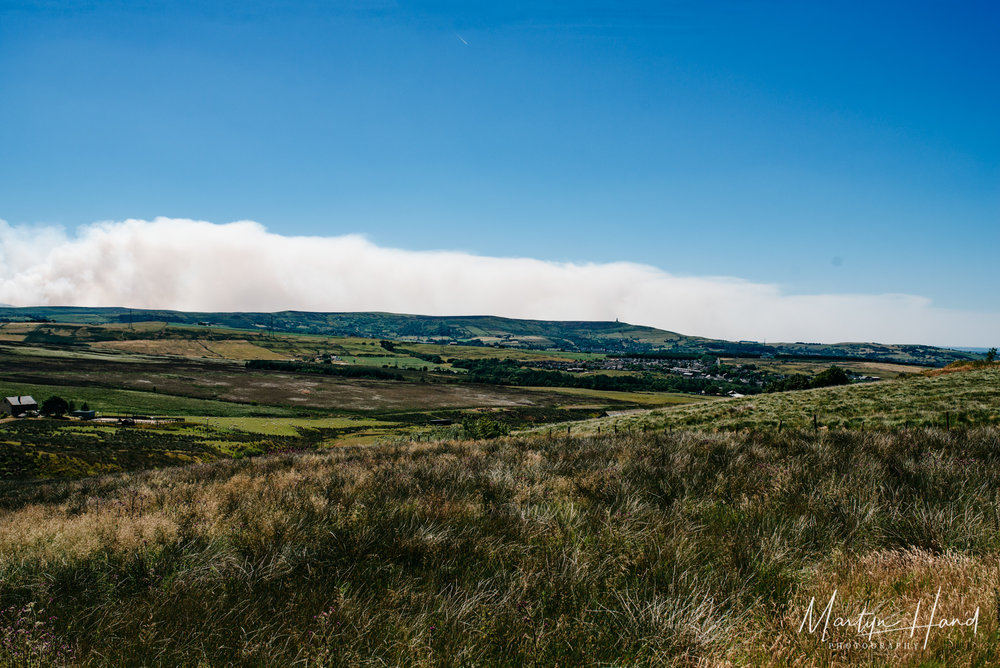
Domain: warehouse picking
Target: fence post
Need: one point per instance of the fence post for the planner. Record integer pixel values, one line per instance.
(947, 420)
(780, 425)
(815, 423)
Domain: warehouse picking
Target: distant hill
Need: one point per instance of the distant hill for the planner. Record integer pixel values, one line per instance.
(600, 337)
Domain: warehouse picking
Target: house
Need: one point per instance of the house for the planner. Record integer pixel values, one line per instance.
(83, 415)
(16, 406)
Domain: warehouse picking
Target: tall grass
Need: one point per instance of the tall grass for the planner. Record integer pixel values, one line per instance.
(659, 549)
(955, 399)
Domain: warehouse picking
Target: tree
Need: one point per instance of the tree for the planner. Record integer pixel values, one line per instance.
(832, 376)
(55, 406)
(991, 355)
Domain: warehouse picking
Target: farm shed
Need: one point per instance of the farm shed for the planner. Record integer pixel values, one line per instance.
(19, 405)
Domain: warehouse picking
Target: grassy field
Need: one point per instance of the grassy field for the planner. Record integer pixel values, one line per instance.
(961, 399)
(669, 549)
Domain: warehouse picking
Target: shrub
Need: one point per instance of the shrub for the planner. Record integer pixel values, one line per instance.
(484, 427)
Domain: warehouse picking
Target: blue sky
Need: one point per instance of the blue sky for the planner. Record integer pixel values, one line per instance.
(825, 148)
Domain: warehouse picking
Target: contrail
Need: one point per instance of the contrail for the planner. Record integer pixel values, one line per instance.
(461, 39)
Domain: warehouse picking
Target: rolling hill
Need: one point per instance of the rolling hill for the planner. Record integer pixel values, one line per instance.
(600, 337)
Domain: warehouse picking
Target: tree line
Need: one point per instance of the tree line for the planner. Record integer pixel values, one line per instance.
(492, 371)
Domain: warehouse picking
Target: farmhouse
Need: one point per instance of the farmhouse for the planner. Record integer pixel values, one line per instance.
(19, 405)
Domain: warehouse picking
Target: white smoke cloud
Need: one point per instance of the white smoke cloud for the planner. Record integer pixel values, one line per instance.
(197, 265)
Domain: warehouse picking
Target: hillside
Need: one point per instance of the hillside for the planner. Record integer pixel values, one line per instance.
(324, 520)
(916, 400)
(662, 550)
(601, 337)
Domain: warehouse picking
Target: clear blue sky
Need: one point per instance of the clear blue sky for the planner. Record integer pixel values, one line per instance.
(824, 146)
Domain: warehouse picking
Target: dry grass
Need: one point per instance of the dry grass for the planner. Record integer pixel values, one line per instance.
(681, 549)
(961, 367)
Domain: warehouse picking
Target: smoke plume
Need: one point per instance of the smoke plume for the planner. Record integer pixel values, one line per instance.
(197, 265)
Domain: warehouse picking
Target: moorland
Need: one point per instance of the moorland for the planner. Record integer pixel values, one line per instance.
(232, 513)
(603, 337)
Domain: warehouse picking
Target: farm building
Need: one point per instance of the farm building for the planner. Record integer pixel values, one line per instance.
(19, 405)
